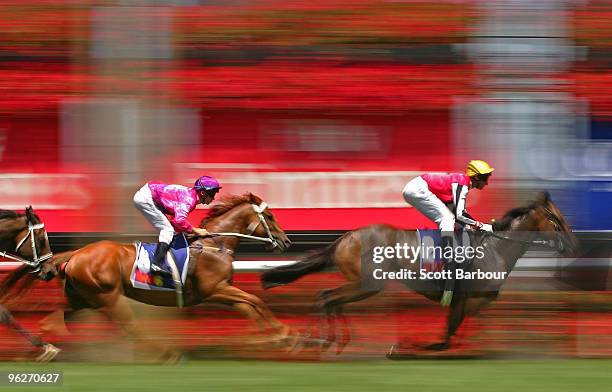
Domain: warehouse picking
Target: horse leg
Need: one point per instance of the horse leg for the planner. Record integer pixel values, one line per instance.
(331, 302)
(345, 337)
(49, 351)
(7, 319)
(460, 308)
(251, 307)
(471, 307)
(327, 320)
(454, 319)
(118, 310)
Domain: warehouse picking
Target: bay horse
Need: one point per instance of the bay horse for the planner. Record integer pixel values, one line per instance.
(97, 276)
(23, 238)
(514, 233)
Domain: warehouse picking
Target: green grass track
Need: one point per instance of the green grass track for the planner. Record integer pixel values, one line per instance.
(371, 376)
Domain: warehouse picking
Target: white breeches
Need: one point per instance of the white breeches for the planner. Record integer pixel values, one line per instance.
(417, 193)
(144, 202)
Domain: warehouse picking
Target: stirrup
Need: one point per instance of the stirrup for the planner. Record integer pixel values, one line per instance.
(447, 298)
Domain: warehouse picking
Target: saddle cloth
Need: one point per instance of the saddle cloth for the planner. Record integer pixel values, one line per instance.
(141, 276)
(428, 239)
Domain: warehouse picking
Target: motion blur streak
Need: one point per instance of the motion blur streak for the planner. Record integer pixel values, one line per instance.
(325, 109)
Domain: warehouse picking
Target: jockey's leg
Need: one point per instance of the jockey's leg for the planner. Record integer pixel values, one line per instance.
(448, 244)
(417, 193)
(158, 259)
(143, 200)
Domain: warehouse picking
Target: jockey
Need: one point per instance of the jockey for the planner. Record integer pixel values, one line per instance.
(431, 193)
(158, 201)
(435, 195)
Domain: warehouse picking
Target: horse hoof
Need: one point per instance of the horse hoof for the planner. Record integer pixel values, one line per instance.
(341, 345)
(438, 346)
(174, 358)
(396, 352)
(49, 353)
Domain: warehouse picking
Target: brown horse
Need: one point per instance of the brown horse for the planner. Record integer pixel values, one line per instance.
(97, 276)
(352, 255)
(23, 238)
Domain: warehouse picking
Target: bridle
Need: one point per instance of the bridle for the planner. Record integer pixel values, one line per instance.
(36, 260)
(259, 209)
(552, 218)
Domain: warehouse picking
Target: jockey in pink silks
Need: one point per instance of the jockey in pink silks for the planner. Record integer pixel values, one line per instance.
(166, 207)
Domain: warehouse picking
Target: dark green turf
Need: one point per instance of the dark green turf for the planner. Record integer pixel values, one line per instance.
(370, 376)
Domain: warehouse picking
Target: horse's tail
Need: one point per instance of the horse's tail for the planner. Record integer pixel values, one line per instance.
(316, 261)
(21, 275)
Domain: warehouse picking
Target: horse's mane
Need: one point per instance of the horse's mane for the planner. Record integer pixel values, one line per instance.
(227, 203)
(9, 214)
(505, 222)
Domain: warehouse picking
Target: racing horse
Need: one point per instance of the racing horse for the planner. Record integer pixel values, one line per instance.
(514, 233)
(97, 276)
(23, 239)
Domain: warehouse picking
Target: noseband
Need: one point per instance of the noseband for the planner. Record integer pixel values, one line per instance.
(36, 260)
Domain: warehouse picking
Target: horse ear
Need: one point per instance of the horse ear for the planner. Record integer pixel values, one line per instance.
(254, 199)
(542, 198)
(29, 212)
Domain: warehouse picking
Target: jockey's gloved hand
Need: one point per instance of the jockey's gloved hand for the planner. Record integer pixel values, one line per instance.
(486, 227)
(200, 232)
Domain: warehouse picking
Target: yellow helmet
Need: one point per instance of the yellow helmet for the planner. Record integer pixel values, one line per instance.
(477, 167)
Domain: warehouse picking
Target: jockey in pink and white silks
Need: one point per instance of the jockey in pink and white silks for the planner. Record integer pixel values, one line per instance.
(166, 207)
(431, 193)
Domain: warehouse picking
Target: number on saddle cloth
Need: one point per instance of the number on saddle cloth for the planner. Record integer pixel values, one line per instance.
(141, 276)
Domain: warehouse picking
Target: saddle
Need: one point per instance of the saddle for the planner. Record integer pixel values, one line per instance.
(178, 255)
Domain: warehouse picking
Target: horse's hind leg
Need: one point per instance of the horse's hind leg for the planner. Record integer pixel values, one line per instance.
(118, 310)
(331, 302)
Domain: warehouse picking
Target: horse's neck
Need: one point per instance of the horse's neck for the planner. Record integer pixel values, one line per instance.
(230, 222)
(511, 251)
(8, 235)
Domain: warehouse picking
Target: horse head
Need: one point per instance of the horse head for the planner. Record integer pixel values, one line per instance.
(32, 246)
(542, 216)
(249, 215)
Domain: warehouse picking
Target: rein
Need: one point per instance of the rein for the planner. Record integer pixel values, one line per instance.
(259, 209)
(252, 237)
(549, 243)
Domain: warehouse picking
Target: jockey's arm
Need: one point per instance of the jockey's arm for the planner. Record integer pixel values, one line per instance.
(459, 196)
(179, 220)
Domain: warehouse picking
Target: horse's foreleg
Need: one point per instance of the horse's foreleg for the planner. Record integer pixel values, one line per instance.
(7, 319)
(251, 307)
(455, 317)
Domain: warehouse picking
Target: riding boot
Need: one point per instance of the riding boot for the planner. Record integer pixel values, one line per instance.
(158, 259)
(449, 266)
